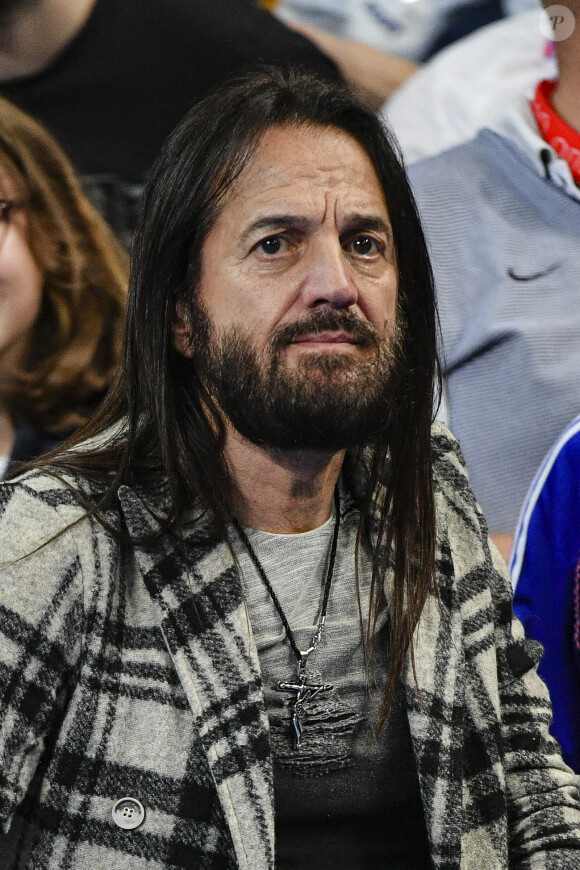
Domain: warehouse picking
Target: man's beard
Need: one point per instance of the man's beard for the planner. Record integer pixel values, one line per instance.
(329, 401)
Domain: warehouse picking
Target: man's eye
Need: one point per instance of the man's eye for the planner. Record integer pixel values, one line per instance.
(272, 245)
(364, 246)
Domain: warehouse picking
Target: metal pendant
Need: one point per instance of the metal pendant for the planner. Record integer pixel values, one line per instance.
(305, 692)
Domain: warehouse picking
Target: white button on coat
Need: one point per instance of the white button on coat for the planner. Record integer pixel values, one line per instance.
(128, 813)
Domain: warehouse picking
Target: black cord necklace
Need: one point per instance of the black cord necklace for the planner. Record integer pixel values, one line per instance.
(301, 688)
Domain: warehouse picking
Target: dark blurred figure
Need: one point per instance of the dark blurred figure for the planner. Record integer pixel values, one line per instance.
(111, 78)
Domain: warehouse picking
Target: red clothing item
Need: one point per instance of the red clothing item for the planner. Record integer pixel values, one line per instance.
(563, 138)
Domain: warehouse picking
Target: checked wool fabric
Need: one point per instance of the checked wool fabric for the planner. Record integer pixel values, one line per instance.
(132, 672)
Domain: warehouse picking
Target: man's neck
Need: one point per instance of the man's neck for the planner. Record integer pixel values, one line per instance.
(281, 492)
(38, 34)
(566, 102)
(566, 96)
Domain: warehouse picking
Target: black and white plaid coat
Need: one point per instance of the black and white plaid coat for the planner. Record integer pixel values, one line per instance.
(132, 673)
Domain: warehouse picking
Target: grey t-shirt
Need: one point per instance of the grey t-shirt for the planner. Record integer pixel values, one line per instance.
(348, 797)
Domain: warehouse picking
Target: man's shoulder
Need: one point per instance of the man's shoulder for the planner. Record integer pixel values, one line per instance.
(39, 507)
(450, 475)
(461, 152)
(442, 438)
(464, 168)
(45, 484)
(447, 456)
(461, 526)
(46, 496)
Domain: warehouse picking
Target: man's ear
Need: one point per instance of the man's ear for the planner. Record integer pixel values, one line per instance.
(182, 331)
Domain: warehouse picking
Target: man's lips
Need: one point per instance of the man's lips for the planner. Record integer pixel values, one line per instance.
(328, 338)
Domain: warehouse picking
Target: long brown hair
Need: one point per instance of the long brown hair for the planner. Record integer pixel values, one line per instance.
(75, 342)
(170, 422)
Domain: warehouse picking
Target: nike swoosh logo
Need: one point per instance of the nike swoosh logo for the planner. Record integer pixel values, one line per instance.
(535, 275)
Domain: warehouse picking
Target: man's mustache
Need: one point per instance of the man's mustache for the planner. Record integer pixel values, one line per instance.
(326, 321)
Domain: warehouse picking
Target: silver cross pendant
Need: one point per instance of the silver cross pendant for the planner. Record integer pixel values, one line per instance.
(305, 692)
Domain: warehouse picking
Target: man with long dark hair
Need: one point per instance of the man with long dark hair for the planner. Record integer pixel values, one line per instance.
(256, 621)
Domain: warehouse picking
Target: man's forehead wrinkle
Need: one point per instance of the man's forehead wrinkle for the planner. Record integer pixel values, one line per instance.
(273, 170)
(294, 198)
(291, 175)
(276, 177)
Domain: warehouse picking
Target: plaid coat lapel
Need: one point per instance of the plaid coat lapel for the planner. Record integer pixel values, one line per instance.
(197, 592)
(435, 711)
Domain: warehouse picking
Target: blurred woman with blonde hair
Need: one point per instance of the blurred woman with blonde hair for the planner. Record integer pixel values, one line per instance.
(62, 292)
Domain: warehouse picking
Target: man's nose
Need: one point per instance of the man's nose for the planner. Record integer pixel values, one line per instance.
(329, 278)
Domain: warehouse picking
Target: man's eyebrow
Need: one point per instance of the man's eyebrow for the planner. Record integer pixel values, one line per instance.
(274, 222)
(368, 222)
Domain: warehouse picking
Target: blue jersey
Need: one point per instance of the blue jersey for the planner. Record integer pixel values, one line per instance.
(545, 573)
